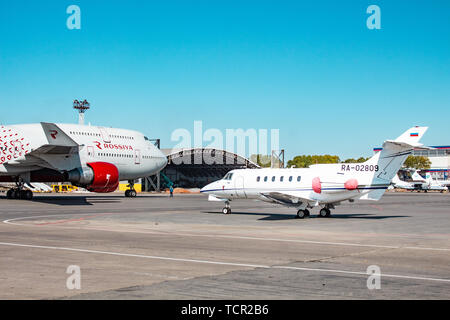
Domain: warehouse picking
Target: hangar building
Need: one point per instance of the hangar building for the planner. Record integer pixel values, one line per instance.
(196, 167)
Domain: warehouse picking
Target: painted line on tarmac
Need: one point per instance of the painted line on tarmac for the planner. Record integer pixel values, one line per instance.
(304, 241)
(8, 221)
(347, 244)
(73, 220)
(247, 265)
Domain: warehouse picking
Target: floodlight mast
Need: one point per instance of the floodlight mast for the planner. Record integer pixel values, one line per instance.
(81, 107)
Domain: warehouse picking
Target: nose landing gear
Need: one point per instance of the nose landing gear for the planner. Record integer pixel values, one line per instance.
(130, 193)
(227, 209)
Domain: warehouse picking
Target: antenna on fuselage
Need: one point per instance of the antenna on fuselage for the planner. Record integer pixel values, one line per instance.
(81, 106)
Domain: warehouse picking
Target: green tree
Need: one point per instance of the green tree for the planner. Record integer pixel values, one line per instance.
(359, 160)
(417, 162)
(304, 161)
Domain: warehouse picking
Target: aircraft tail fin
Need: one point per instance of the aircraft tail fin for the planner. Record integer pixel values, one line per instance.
(394, 153)
(417, 177)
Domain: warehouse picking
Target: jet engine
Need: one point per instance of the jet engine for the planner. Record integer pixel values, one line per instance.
(99, 177)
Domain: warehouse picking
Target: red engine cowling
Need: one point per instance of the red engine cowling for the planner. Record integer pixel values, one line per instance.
(96, 177)
(106, 177)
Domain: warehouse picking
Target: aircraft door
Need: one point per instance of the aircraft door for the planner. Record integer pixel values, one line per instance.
(137, 156)
(90, 151)
(239, 186)
(105, 135)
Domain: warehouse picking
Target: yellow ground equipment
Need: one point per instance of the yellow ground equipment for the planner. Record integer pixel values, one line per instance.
(64, 188)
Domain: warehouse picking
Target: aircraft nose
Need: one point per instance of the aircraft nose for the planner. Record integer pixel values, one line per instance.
(207, 188)
(161, 160)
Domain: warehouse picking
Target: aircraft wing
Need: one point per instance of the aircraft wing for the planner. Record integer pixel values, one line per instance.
(287, 199)
(58, 142)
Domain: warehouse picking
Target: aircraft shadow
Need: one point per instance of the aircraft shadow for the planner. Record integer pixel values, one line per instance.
(278, 216)
(74, 200)
(268, 216)
(81, 200)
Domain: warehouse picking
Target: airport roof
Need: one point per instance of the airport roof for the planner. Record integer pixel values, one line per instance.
(206, 156)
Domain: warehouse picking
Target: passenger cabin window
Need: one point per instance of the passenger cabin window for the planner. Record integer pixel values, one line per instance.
(265, 179)
(281, 178)
(273, 178)
(290, 179)
(299, 178)
(258, 178)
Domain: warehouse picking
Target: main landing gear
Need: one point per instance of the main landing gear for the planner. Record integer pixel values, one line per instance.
(130, 193)
(227, 209)
(303, 213)
(324, 212)
(19, 192)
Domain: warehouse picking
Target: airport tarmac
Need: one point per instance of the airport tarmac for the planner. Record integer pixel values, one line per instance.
(156, 247)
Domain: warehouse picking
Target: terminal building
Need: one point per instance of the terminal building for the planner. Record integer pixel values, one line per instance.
(440, 160)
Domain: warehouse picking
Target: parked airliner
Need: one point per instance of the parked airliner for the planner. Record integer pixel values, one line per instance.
(324, 185)
(95, 158)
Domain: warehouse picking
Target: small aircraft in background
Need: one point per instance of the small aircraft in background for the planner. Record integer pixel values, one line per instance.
(323, 185)
(400, 184)
(443, 183)
(419, 183)
(432, 184)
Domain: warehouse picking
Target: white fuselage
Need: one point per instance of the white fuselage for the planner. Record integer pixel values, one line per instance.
(296, 182)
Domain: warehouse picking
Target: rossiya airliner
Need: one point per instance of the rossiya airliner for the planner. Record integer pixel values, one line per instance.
(92, 157)
(323, 185)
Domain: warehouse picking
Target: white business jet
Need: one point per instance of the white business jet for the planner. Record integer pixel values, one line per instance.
(95, 158)
(324, 185)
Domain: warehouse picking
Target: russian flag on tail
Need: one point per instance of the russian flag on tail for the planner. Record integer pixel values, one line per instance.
(414, 134)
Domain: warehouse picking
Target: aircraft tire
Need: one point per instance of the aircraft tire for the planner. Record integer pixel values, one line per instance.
(301, 214)
(28, 195)
(324, 212)
(16, 194)
(133, 193)
(226, 210)
(10, 194)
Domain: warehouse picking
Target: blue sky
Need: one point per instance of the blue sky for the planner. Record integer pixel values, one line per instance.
(313, 70)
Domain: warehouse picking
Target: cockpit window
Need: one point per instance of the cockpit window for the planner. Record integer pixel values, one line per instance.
(228, 176)
(146, 139)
